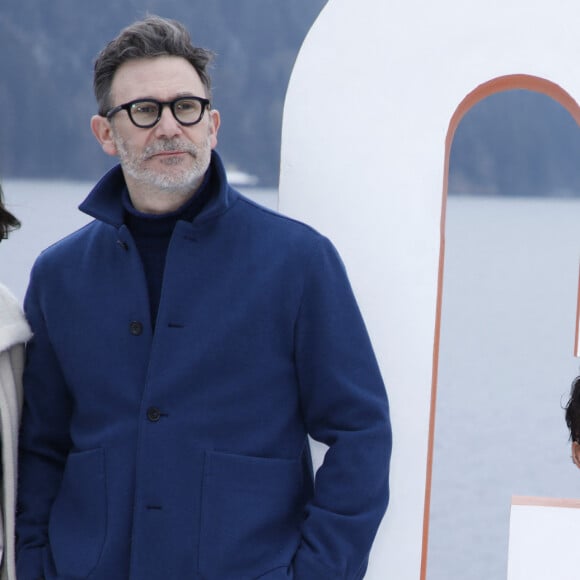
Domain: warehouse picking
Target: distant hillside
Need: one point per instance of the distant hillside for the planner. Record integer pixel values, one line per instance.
(47, 51)
(516, 143)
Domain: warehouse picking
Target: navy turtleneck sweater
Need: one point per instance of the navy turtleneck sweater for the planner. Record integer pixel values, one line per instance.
(152, 234)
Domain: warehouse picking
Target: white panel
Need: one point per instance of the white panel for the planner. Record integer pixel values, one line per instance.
(544, 542)
(363, 147)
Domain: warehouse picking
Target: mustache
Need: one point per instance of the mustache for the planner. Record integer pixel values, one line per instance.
(170, 145)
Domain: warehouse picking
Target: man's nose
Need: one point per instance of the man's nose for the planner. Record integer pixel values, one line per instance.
(168, 125)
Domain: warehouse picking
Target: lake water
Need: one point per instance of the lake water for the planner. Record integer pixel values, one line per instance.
(511, 278)
(506, 363)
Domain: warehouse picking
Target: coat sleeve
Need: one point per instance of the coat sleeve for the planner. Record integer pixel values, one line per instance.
(345, 406)
(11, 367)
(44, 440)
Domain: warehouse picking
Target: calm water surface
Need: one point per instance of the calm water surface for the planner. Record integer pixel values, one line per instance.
(511, 277)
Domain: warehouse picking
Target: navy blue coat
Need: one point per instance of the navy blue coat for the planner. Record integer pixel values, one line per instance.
(183, 453)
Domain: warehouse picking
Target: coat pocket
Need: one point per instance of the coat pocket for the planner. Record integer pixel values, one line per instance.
(252, 508)
(78, 518)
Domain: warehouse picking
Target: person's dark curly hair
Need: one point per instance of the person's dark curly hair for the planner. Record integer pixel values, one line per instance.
(573, 411)
(7, 221)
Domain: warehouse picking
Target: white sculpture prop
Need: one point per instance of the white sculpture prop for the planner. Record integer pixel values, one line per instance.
(543, 539)
(375, 96)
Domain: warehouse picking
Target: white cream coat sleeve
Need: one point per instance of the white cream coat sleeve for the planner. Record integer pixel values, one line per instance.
(10, 405)
(14, 332)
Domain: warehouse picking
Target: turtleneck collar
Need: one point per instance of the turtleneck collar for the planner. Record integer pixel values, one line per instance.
(163, 223)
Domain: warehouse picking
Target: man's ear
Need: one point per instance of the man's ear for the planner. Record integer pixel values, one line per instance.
(576, 453)
(214, 125)
(101, 128)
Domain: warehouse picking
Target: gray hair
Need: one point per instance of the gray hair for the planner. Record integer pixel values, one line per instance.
(148, 38)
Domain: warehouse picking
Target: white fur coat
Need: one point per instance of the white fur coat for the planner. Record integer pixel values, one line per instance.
(14, 332)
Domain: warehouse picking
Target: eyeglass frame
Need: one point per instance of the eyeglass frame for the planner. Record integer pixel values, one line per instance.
(205, 104)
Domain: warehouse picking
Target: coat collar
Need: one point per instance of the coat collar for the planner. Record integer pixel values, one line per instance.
(104, 202)
(13, 327)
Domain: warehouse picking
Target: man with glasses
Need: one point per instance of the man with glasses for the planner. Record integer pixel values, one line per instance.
(186, 343)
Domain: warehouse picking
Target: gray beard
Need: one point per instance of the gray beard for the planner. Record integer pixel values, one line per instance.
(171, 185)
(181, 184)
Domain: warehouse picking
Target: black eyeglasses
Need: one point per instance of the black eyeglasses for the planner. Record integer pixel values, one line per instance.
(145, 113)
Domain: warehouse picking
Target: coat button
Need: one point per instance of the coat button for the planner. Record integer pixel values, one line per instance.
(153, 414)
(135, 328)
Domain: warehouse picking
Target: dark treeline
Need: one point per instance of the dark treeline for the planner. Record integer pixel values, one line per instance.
(47, 50)
(515, 143)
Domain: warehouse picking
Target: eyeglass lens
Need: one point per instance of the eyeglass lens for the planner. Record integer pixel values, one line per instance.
(186, 110)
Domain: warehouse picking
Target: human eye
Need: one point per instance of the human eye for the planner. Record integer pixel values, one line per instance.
(144, 108)
(187, 105)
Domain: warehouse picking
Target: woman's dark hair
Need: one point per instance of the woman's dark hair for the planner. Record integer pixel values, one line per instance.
(573, 411)
(7, 221)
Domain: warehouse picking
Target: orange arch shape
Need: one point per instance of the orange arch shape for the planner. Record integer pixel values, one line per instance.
(491, 87)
